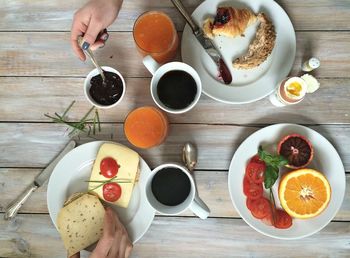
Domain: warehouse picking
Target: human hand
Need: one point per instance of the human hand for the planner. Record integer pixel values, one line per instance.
(90, 21)
(115, 242)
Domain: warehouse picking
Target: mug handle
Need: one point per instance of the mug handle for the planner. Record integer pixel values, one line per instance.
(199, 208)
(151, 64)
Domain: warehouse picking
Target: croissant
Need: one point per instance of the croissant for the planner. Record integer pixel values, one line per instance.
(229, 22)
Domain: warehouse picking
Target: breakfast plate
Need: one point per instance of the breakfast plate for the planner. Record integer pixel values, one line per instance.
(325, 160)
(74, 169)
(247, 85)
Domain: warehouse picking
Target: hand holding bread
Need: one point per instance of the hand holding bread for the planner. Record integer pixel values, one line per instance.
(115, 242)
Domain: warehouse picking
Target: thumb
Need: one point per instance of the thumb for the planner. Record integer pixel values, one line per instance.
(91, 33)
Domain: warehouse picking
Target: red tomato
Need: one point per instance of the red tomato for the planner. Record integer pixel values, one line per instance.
(268, 219)
(261, 208)
(256, 159)
(283, 219)
(109, 167)
(111, 192)
(252, 190)
(255, 172)
(250, 203)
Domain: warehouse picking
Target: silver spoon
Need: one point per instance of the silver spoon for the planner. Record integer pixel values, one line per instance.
(92, 58)
(189, 157)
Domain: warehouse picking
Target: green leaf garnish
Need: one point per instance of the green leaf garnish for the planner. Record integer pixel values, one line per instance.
(273, 164)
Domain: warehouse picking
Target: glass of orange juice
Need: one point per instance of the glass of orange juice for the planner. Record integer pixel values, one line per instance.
(146, 127)
(155, 34)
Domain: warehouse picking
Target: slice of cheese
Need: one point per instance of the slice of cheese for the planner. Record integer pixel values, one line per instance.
(127, 159)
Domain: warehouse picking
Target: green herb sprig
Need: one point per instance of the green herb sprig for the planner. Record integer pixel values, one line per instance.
(85, 124)
(113, 179)
(273, 165)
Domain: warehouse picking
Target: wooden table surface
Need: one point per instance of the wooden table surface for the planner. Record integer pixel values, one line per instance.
(39, 74)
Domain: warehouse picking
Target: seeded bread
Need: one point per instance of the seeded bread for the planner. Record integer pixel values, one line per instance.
(80, 222)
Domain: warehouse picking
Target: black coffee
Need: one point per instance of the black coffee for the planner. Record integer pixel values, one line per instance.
(108, 92)
(171, 186)
(176, 89)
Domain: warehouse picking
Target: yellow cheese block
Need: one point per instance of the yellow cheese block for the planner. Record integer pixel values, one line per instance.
(127, 159)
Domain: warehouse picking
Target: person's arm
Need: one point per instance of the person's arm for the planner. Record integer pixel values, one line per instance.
(115, 242)
(90, 21)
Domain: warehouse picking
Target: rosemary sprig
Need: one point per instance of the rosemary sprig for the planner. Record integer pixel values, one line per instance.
(84, 125)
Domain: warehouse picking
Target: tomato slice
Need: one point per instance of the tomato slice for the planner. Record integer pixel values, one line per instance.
(109, 167)
(250, 203)
(252, 190)
(255, 172)
(261, 208)
(283, 219)
(256, 159)
(111, 192)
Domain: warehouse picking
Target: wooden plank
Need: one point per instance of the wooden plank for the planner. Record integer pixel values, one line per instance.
(26, 15)
(50, 54)
(180, 237)
(48, 95)
(34, 145)
(212, 187)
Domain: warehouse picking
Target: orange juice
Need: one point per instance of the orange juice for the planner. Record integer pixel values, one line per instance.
(146, 127)
(155, 35)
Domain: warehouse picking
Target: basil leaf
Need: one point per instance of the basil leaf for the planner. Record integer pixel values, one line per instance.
(271, 175)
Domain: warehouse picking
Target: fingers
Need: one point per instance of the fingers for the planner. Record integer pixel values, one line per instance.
(77, 255)
(94, 28)
(78, 29)
(128, 250)
(101, 41)
(105, 243)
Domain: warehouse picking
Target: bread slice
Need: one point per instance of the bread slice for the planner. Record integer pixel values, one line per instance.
(80, 222)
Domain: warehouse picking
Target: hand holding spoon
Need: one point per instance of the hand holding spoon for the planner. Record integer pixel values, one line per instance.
(92, 58)
(189, 157)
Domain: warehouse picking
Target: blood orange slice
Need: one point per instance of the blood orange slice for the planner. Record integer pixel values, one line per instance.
(297, 150)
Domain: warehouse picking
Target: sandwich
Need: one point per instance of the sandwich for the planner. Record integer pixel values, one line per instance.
(114, 174)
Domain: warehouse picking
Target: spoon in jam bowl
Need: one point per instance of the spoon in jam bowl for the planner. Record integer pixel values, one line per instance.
(92, 58)
(189, 157)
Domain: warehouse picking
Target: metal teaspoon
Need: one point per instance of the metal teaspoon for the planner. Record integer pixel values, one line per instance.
(189, 157)
(92, 58)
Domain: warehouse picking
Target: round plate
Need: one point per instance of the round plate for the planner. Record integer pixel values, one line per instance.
(247, 85)
(326, 160)
(74, 169)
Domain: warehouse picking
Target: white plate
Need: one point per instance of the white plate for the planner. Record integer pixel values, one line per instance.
(69, 175)
(247, 85)
(326, 160)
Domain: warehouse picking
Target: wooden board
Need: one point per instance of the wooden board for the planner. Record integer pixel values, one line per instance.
(40, 95)
(212, 187)
(34, 145)
(50, 54)
(57, 15)
(31, 235)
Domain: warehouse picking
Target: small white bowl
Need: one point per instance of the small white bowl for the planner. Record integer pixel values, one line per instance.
(87, 86)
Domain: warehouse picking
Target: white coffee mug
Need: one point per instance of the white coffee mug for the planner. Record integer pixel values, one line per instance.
(158, 71)
(87, 87)
(189, 202)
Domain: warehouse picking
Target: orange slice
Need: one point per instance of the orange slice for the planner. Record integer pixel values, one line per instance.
(304, 193)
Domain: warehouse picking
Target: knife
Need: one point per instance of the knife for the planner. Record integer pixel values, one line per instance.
(39, 180)
(206, 43)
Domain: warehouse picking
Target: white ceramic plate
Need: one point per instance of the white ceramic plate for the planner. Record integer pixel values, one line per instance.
(69, 175)
(247, 85)
(326, 160)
